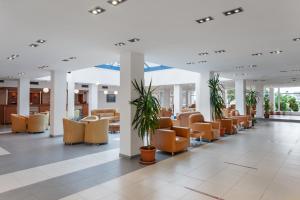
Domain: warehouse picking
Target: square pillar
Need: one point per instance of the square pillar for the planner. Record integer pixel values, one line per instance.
(71, 96)
(278, 99)
(271, 97)
(177, 99)
(57, 102)
(203, 95)
(166, 98)
(240, 92)
(259, 88)
(23, 96)
(93, 97)
(132, 68)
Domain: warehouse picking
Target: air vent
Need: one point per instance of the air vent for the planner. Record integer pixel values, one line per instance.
(34, 83)
(104, 87)
(1, 81)
(85, 86)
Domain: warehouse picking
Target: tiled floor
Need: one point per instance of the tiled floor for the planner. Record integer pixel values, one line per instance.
(285, 117)
(259, 163)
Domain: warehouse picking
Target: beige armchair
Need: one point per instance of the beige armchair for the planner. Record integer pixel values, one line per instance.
(19, 123)
(47, 121)
(96, 132)
(169, 138)
(36, 123)
(73, 131)
(210, 130)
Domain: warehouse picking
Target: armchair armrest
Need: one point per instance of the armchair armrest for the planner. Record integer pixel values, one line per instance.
(182, 131)
(216, 125)
(205, 127)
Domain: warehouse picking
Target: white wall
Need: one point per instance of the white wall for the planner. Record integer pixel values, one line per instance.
(103, 104)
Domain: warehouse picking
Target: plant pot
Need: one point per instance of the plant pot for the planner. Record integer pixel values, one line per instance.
(222, 132)
(267, 115)
(147, 155)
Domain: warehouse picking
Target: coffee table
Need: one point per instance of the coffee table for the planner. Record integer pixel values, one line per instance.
(114, 127)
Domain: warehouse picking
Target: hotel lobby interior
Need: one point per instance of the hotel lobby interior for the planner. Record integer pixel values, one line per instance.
(152, 100)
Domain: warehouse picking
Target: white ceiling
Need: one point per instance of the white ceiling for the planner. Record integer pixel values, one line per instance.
(167, 29)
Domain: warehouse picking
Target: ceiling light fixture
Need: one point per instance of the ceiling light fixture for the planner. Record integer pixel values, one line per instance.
(41, 41)
(96, 11)
(206, 19)
(73, 58)
(116, 92)
(105, 91)
(233, 11)
(252, 66)
(296, 39)
(33, 45)
(119, 44)
(203, 54)
(283, 71)
(46, 90)
(239, 67)
(276, 52)
(190, 63)
(220, 51)
(21, 73)
(202, 61)
(115, 2)
(12, 57)
(134, 40)
(76, 91)
(257, 54)
(65, 60)
(43, 67)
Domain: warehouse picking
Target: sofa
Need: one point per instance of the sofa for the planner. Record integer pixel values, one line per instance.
(111, 114)
(210, 130)
(18, 123)
(170, 138)
(73, 131)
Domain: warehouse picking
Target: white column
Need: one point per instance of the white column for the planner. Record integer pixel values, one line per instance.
(226, 97)
(23, 96)
(259, 88)
(57, 102)
(177, 99)
(203, 95)
(271, 97)
(132, 68)
(240, 92)
(71, 96)
(166, 98)
(93, 97)
(278, 99)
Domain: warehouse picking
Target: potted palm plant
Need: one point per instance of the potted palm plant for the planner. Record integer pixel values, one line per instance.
(251, 101)
(216, 99)
(145, 119)
(267, 107)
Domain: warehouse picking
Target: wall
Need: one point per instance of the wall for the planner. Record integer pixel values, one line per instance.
(103, 104)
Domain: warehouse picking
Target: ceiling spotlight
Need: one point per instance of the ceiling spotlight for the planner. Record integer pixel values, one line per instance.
(283, 71)
(76, 91)
(202, 61)
(105, 91)
(257, 54)
(46, 90)
(116, 92)
(65, 60)
(134, 40)
(43, 67)
(203, 54)
(97, 10)
(239, 67)
(276, 52)
(115, 2)
(12, 57)
(296, 39)
(41, 41)
(33, 45)
(206, 19)
(252, 66)
(190, 63)
(234, 11)
(119, 44)
(21, 73)
(220, 51)
(72, 58)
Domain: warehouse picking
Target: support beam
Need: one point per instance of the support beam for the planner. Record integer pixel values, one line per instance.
(203, 94)
(166, 98)
(177, 99)
(132, 68)
(71, 96)
(57, 102)
(259, 88)
(23, 96)
(271, 97)
(240, 92)
(278, 99)
(93, 97)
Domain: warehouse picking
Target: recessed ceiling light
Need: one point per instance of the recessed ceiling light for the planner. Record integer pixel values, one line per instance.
(12, 57)
(202, 61)
(65, 60)
(276, 52)
(220, 51)
(72, 58)
(206, 19)
(239, 67)
(21, 73)
(252, 66)
(33, 45)
(257, 54)
(119, 44)
(283, 71)
(296, 39)
(134, 40)
(203, 54)
(190, 63)
(115, 2)
(41, 41)
(43, 67)
(97, 10)
(233, 11)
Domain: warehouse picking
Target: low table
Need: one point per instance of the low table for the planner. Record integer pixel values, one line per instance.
(114, 127)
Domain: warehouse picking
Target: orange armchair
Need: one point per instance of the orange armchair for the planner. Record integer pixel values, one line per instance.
(169, 138)
(18, 123)
(244, 120)
(73, 131)
(210, 130)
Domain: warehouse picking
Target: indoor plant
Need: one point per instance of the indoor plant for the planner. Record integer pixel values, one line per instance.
(267, 107)
(216, 99)
(145, 119)
(251, 101)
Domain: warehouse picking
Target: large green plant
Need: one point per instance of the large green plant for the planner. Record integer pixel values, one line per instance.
(251, 98)
(147, 106)
(216, 97)
(267, 106)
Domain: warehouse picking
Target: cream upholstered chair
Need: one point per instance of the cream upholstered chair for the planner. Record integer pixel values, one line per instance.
(47, 114)
(73, 131)
(18, 123)
(210, 130)
(96, 132)
(36, 123)
(90, 118)
(170, 138)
